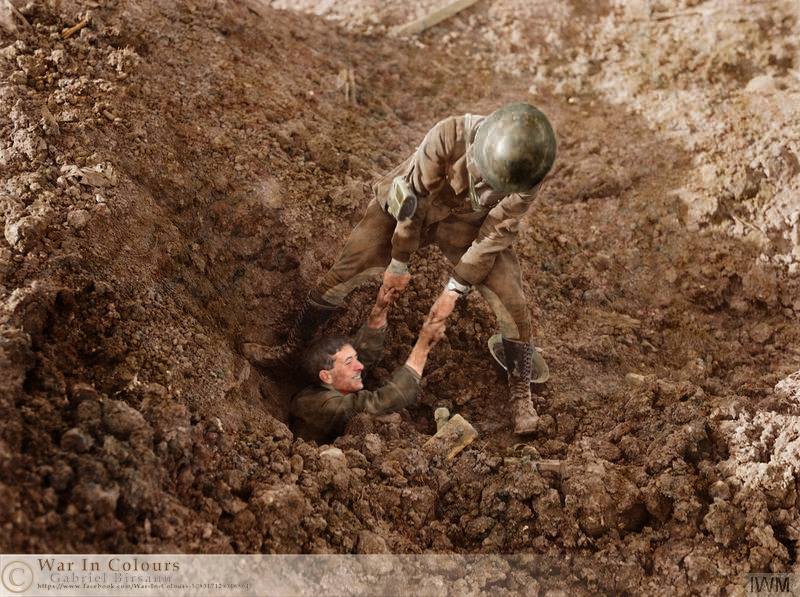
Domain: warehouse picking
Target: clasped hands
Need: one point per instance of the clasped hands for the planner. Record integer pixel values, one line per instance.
(434, 325)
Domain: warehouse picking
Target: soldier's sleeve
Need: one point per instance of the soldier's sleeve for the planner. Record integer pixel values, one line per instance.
(400, 391)
(496, 234)
(425, 174)
(368, 343)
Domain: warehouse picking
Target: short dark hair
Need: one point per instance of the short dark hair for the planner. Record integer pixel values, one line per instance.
(319, 356)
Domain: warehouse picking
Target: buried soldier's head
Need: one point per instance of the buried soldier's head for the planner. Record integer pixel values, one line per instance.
(333, 361)
(514, 148)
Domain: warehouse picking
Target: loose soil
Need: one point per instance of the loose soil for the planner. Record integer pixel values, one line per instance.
(176, 175)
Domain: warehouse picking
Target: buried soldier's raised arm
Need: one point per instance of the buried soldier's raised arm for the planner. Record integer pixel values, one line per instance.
(321, 411)
(402, 388)
(370, 337)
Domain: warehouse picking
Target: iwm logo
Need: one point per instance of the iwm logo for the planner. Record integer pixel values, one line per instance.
(765, 585)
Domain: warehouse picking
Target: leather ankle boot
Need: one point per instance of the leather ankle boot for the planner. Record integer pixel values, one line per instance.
(519, 359)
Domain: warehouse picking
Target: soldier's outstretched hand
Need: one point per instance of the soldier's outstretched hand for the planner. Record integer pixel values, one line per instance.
(444, 305)
(432, 331)
(386, 296)
(379, 313)
(397, 281)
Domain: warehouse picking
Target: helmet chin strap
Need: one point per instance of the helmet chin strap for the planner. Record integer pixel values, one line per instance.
(473, 196)
(469, 124)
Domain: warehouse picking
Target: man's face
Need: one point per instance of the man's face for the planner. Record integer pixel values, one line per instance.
(345, 375)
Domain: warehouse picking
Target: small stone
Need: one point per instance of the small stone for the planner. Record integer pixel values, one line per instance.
(634, 379)
(441, 415)
(215, 425)
(57, 56)
(720, 490)
(78, 218)
(76, 440)
(373, 446)
(370, 543)
(23, 233)
(333, 457)
(761, 84)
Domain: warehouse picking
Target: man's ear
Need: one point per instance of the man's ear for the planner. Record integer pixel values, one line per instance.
(325, 376)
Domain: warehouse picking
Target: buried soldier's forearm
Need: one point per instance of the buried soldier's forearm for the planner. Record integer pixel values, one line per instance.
(379, 313)
(418, 357)
(430, 334)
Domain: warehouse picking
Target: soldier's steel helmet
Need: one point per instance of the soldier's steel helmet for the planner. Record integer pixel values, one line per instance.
(514, 148)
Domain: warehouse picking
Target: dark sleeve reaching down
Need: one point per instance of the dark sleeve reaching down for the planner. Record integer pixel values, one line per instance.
(368, 343)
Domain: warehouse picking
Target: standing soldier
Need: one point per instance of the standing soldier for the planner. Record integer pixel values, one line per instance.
(465, 188)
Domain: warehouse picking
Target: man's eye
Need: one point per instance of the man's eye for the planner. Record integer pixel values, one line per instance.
(348, 360)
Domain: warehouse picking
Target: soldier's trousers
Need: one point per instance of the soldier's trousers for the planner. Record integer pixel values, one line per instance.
(368, 251)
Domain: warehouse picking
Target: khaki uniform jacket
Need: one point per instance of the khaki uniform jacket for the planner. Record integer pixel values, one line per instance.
(320, 412)
(437, 172)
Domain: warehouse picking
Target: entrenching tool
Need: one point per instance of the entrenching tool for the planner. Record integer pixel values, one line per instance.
(549, 466)
(452, 436)
(441, 415)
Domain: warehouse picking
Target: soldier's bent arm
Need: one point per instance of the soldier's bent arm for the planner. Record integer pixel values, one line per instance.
(433, 156)
(496, 234)
(425, 173)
